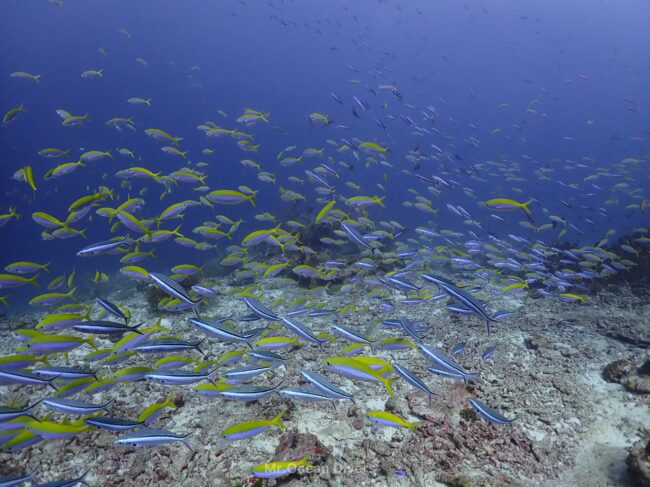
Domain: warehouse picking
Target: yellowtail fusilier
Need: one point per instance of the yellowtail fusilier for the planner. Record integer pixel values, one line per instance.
(273, 470)
(356, 369)
(252, 428)
(49, 344)
(57, 431)
(389, 419)
(10, 281)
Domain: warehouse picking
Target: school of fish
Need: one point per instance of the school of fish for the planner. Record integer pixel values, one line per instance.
(325, 237)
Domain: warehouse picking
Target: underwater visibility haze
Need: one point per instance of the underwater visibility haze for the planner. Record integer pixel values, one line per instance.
(379, 242)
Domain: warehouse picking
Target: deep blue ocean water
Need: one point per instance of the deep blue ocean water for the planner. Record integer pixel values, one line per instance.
(580, 66)
(544, 103)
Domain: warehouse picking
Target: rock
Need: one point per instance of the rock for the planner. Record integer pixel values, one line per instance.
(182, 458)
(638, 463)
(624, 372)
(294, 445)
(391, 405)
(178, 400)
(634, 332)
(637, 383)
(617, 370)
(420, 407)
(645, 368)
(379, 447)
(534, 342)
(357, 424)
(386, 466)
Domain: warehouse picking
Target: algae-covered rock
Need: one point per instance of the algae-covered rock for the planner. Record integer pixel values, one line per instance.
(618, 370)
(638, 463)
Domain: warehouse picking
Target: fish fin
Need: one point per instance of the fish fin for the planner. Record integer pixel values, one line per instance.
(197, 346)
(51, 384)
(184, 440)
(109, 402)
(33, 280)
(303, 460)
(83, 475)
(387, 385)
(168, 401)
(277, 420)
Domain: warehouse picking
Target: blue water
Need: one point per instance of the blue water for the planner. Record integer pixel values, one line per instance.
(541, 102)
(580, 66)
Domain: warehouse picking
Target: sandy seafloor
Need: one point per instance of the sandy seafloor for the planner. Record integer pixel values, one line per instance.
(572, 427)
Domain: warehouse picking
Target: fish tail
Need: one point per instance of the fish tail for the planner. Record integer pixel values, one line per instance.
(524, 206)
(277, 421)
(387, 385)
(472, 377)
(33, 280)
(304, 462)
(168, 402)
(37, 78)
(185, 442)
(46, 267)
(198, 345)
